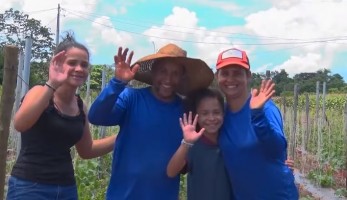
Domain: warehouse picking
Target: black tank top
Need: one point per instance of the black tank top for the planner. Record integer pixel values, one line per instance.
(45, 150)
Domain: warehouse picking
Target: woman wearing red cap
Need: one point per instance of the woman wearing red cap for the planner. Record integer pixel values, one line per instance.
(252, 138)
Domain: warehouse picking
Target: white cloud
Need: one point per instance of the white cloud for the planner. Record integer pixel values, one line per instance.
(300, 22)
(103, 32)
(303, 63)
(10, 4)
(209, 52)
(46, 10)
(221, 4)
(304, 21)
(284, 3)
(182, 25)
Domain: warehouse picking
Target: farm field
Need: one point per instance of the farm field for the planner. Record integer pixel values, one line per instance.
(317, 138)
(317, 144)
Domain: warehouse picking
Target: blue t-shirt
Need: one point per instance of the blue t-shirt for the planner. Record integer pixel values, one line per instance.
(254, 150)
(149, 135)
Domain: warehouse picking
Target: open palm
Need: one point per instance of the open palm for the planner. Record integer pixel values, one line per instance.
(123, 71)
(265, 92)
(57, 71)
(189, 128)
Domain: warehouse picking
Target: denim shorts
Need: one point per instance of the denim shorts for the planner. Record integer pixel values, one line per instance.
(19, 189)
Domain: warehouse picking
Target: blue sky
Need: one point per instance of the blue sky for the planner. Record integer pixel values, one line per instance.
(295, 35)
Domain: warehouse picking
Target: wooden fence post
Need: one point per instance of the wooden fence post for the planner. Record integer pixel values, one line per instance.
(317, 105)
(284, 108)
(307, 127)
(295, 110)
(6, 106)
(324, 117)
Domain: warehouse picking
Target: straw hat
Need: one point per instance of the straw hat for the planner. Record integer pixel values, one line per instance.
(197, 75)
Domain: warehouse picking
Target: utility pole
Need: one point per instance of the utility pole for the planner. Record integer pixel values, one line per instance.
(26, 70)
(58, 26)
(268, 75)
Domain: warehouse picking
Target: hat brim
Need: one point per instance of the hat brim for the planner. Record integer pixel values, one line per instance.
(197, 75)
(233, 63)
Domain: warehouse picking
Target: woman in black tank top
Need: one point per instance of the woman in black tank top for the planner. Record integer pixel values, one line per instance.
(52, 119)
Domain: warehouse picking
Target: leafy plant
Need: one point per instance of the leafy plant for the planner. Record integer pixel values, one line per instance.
(321, 177)
(183, 187)
(92, 177)
(341, 192)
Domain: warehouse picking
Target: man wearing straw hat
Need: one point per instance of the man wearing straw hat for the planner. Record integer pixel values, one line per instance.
(148, 118)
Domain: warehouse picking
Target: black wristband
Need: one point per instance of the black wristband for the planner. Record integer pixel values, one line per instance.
(48, 85)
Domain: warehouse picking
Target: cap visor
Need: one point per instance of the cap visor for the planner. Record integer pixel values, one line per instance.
(234, 62)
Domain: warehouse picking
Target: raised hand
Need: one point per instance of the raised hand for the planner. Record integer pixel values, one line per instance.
(188, 126)
(265, 92)
(57, 71)
(123, 71)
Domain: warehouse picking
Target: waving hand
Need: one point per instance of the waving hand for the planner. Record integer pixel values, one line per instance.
(265, 92)
(57, 71)
(189, 128)
(123, 71)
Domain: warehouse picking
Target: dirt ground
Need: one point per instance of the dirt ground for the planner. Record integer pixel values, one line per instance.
(304, 163)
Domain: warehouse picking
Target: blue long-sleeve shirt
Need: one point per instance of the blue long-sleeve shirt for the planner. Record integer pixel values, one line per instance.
(254, 150)
(149, 135)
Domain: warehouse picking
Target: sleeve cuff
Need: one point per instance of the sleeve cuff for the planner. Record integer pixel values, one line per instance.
(117, 82)
(257, 112)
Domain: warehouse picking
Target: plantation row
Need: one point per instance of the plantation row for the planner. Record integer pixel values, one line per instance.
(332, 101)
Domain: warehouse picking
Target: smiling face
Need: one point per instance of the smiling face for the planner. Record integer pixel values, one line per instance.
(210, 111)
(233, 81)
(77, 64)
(165, 79)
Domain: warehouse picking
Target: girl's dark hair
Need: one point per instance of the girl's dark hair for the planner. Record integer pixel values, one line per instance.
(68, 41)
(193, 99)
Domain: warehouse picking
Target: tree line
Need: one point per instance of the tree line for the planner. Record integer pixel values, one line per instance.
(306, 81)
(15, 26)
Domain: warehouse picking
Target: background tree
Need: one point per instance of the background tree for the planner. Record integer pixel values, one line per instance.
(306, 81)
(96, 77)
(336, 83)
(256, 79)
(15, 26)
(38, 73)
(283, 81)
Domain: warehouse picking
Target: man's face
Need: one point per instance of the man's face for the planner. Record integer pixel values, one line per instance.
(166, 79)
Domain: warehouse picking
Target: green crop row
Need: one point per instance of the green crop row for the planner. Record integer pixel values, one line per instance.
(332, 101)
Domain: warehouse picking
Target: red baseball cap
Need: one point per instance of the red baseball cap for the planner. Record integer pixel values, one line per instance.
(233, 56)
